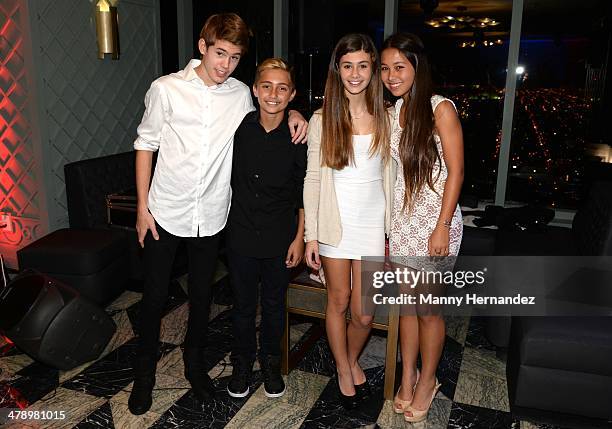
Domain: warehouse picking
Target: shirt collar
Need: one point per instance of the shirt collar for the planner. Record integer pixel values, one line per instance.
(189, 74)
(283, 127)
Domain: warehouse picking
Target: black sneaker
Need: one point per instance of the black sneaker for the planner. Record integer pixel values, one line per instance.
(238, 387)
(274, 385)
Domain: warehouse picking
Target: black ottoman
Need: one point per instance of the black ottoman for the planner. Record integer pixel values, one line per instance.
(95, 262)
(560, 369)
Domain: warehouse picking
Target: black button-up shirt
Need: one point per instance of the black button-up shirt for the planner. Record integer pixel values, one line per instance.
(267, 183)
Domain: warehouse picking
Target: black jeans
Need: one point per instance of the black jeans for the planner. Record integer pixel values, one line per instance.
(245, 273)
(158, 261)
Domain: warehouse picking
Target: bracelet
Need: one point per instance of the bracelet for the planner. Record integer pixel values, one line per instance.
(446, 223)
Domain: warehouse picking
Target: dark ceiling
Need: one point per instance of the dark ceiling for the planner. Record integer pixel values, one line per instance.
(570, 17)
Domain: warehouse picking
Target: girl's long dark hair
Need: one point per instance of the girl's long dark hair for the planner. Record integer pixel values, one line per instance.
(337, 131)
(417, 148)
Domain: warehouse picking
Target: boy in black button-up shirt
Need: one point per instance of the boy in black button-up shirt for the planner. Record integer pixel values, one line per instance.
(264, 240)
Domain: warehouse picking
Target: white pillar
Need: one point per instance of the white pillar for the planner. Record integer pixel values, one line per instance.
(509, 97)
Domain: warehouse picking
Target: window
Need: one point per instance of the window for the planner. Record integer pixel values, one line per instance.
(314, 28)
(560, 139)
(468, 49)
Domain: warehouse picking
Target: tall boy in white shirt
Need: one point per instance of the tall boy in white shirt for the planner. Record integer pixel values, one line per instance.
(190, 119)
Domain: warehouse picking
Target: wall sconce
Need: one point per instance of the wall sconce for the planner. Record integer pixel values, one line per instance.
(107, 29)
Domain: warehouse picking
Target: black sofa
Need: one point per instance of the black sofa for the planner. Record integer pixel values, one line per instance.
(559, 369)
(88, 182)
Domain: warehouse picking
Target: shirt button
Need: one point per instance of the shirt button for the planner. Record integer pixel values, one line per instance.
(256, 176)
(256, 195)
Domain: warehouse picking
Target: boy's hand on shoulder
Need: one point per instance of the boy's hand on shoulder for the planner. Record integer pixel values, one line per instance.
(298, 127)
(295, 253)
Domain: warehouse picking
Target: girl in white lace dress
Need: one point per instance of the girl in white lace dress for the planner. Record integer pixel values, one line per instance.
(427, 144)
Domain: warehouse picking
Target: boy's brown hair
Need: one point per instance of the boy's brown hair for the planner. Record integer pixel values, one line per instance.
(226, 26)
(275, 64)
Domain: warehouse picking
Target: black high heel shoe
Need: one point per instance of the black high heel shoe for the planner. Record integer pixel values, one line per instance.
(363, 390)
(348, 402)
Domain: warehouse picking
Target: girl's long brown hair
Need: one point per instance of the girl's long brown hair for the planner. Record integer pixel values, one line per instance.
(417, 148)
(337, 131)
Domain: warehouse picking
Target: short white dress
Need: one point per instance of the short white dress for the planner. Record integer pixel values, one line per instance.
(361, 202)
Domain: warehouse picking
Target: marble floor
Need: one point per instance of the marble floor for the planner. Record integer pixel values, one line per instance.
(95, 395)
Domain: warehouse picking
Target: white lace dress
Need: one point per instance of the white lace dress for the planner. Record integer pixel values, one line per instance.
(410, 231)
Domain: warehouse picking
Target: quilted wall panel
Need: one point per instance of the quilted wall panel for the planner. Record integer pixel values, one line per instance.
(91, 107)
(20, 172)
(59, 103)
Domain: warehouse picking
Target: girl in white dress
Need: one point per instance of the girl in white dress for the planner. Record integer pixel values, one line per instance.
(427, 144)
(345, 203)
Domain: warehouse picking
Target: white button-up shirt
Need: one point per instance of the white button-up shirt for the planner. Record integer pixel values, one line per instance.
(192, 125)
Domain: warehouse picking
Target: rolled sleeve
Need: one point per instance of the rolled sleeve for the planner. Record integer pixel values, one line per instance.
(150, 128)
(312, 181)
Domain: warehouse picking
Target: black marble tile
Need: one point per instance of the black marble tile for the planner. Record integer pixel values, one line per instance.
(114, 372)
(35, 381)
(107, 376)
(449, 366)
(319, 359)
(476, 337)
(102, 418)
(188, 412)
(471, 417)
(327, 412)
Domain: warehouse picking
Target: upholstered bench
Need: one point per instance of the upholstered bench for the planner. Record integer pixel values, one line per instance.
(559, 367)
(94, 262)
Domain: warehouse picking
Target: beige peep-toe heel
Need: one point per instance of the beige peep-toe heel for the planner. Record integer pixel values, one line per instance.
(420, 415)
(400, 405)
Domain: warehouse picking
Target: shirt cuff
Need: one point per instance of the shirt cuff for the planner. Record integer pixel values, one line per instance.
(142, 144)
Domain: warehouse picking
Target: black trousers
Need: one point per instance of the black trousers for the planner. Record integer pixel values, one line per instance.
(245, 273)
(158, 261)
